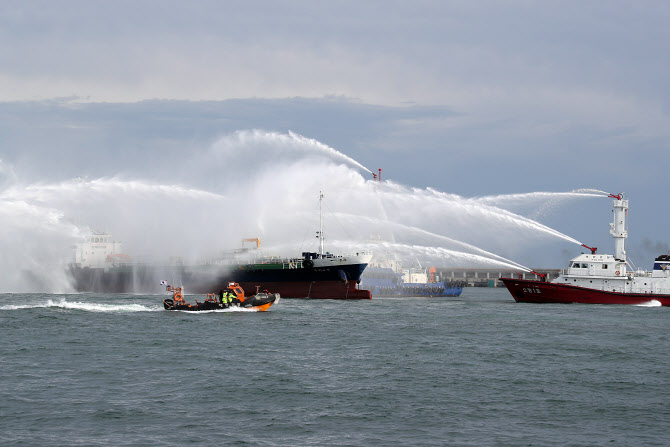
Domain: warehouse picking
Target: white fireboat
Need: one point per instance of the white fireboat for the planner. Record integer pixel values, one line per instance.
(600, 279)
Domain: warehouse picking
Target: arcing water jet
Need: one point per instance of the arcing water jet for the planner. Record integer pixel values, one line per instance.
(252, 184)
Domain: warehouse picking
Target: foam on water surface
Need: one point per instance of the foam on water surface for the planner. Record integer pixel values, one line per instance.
(85, 306)
(651, 303)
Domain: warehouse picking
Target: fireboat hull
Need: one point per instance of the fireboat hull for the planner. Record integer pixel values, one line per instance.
(529, 291)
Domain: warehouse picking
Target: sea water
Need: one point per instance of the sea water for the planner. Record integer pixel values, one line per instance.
(100, 370)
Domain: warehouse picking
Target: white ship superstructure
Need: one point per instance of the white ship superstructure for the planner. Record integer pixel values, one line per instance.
(414, 276)
(99, 251)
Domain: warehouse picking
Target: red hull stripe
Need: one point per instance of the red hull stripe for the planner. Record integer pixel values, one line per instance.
(528, 291)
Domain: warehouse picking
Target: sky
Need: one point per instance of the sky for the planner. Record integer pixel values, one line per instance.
(469, 99)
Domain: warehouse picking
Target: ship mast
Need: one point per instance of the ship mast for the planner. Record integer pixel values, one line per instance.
(619, 228)
(320, 233)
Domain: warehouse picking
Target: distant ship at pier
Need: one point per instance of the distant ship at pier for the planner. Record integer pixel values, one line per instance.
(387, 277)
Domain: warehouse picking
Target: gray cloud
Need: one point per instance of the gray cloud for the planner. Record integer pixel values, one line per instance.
(471, 98)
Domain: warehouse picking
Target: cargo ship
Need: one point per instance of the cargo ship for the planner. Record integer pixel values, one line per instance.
(388, 278)
(314, 275)
(600, 279)
(100, 266)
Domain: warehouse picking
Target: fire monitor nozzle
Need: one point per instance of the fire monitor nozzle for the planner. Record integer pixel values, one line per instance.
(593, 249)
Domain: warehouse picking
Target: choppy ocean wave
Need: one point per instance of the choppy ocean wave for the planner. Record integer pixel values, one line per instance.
(86, 306)
(476, 370)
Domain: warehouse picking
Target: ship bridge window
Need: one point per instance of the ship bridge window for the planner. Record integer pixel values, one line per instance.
(605, 266)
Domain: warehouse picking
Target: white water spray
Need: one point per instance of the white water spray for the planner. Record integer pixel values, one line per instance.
(536, 205)
(452, 257)
(426, 238)
(246, 144)
(460, 210)
(651, 303)
(83, 306)
(253, 184)
(540, 196)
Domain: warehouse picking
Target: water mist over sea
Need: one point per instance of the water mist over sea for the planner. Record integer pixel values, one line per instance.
(257, 184)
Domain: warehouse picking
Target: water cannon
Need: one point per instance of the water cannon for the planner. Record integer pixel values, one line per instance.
(519, 274)
(593, 249)
(617, 196)
(543, 276)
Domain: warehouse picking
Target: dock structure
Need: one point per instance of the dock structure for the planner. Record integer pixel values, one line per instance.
(482, 277)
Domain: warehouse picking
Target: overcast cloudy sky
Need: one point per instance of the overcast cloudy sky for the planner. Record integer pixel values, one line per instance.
(468, 97)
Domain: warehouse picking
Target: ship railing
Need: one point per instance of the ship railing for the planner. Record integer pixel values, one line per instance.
(272, 261)
(354, 253)
(269, 260)
(361, 253)
(347, 255)
(287, 263)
